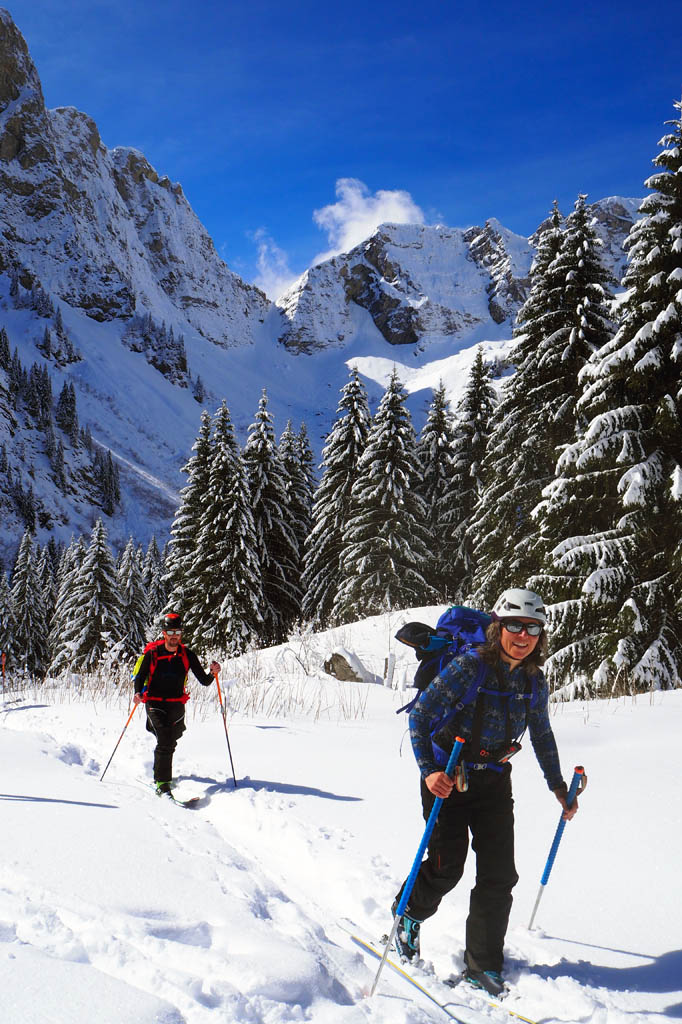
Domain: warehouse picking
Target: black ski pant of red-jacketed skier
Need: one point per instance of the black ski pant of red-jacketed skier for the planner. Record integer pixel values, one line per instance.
(486, 810)
(166, 720)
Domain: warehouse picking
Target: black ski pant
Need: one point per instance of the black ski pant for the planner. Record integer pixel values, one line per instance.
(166, 720)
(486, 811)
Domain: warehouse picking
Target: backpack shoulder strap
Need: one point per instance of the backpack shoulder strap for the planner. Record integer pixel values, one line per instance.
(182, 651)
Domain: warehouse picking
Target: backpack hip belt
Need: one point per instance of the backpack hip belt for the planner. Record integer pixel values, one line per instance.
(166, 700)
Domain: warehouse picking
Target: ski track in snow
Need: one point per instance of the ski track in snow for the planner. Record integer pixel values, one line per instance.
(230, 912)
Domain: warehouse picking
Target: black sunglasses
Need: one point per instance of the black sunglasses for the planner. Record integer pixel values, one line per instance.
(514, 626)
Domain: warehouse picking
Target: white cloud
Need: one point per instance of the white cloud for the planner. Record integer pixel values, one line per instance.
(347, 222)
(274, 273)
(357, 213)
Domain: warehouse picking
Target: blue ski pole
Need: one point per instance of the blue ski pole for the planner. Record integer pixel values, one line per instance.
(412, 877)
(578, 783)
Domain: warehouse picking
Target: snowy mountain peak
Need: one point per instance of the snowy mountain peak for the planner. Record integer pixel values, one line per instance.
(101, 229)
(419, 284)
(423, 285)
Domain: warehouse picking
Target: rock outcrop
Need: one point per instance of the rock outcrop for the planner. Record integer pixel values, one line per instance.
(99, 228)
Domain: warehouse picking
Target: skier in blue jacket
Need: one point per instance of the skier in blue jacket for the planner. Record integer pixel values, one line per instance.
(479, 798)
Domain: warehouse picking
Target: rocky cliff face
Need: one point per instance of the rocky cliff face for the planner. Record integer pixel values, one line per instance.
(99, 228)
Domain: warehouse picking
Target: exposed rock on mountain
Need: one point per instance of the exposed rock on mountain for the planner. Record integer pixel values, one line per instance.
(99, 228)
(417, 284)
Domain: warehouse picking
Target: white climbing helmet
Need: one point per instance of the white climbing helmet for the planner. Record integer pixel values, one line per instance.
(517, 601)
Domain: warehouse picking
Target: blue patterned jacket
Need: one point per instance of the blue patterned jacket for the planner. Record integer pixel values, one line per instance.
(443, 693)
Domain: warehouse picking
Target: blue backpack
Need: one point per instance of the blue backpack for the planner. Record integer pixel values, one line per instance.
(458, 630)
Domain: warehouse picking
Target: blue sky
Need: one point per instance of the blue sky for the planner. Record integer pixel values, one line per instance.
(438, 110)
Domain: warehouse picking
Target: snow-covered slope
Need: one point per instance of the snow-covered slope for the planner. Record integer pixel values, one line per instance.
(115, 906)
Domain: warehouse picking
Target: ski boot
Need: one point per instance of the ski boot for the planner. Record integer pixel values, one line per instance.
(489, 981)
(164, 789)
(407, 936)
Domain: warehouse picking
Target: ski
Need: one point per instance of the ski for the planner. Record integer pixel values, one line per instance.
(369, 948)
(194, 801)
(190, 803)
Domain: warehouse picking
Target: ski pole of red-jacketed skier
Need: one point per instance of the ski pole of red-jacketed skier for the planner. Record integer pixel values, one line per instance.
(223, 712)
(119, 740)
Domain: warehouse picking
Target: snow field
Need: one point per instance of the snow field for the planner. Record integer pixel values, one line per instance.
(115, 905)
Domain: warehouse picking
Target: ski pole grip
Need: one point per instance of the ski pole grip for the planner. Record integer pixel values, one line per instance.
(217, 682)
(430, 824)
(578, 776)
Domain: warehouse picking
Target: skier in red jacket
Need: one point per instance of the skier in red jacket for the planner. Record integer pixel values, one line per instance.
(162, 675)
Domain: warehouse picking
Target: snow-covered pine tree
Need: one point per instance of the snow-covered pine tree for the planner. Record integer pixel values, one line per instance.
(65, 413)
(6, 619)
(308, 481)
(198, 390)
(299, 506)
(179, 563)
(54, 550)
(515, 466)
(619, 626)
(571, 501)
(537, 416)
(154, 587)
(435, 488)
(307, 459)
(276, 544)
(107, 478)
(386, 542)
(94, 613)
(5, 354)
(580, 299)
(471, 431)
(28, 607)
(133, 600)
(340, 457)
(71, 559)
(226, 615)
(48, 583)
(549, 239)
